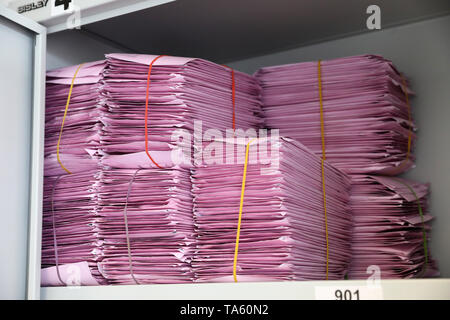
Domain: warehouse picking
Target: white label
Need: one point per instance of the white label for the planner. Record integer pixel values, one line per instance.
(60, 7)
(349, 293)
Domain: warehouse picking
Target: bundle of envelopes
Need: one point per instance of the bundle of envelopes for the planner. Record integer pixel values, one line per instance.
(80, 138)
(177, 92)
(366, 114)
(104, 129)
(70, 197)
(69, 232)
(282, 233)
(391, 231)
(145, 221)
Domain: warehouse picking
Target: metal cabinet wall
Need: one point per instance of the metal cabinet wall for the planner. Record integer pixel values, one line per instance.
(22, 49)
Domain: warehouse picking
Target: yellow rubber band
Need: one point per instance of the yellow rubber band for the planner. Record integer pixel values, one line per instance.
(64, 118)
(241, 205)
(322, 133)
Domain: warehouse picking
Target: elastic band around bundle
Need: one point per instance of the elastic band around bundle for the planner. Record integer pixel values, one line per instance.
(241, 205)
(405, 90)
(64, 118)
(322, 133)
(233, 95)
(55, 242)
(146, 109)
(125, 217)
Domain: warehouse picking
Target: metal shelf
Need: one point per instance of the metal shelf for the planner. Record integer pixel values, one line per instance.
(128, 22)
(294, 290)
(88, 11)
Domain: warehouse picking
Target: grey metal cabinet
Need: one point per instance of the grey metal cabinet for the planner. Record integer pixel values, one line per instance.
(22, 52)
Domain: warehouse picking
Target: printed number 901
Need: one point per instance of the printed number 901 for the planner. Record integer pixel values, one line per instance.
(346, 295)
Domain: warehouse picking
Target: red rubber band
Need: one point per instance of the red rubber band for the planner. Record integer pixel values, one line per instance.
(146, 110)
(233, 95)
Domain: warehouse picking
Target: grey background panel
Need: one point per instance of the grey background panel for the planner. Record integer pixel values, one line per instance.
(422, 51)
(62, 52)
(16, 70)
(225, 31)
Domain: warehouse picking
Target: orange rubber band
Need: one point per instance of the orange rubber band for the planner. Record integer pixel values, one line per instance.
(146, 110)
(405, 89)
(64, 119)
(322, 133)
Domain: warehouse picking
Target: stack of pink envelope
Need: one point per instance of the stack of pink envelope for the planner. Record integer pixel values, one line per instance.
(365, 110)
(69, 229)
(282, 233)
(180, 91)
(155, 205)
(391, 232)
(159, 207)
(80, 138)
(70, 203)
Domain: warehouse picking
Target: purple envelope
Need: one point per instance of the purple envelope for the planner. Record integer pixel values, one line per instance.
(389, 228)
(282, 235)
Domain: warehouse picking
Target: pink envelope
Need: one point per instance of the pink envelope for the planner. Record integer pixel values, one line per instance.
(389, 228)
(366, 115)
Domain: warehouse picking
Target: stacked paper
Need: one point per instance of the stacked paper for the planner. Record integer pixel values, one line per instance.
(389, 228)
(282, 234)
(69, 233)
(365, 110)
(180, 91)
(72, 193)
(157, 206)
(80, 138)
(177, 92)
